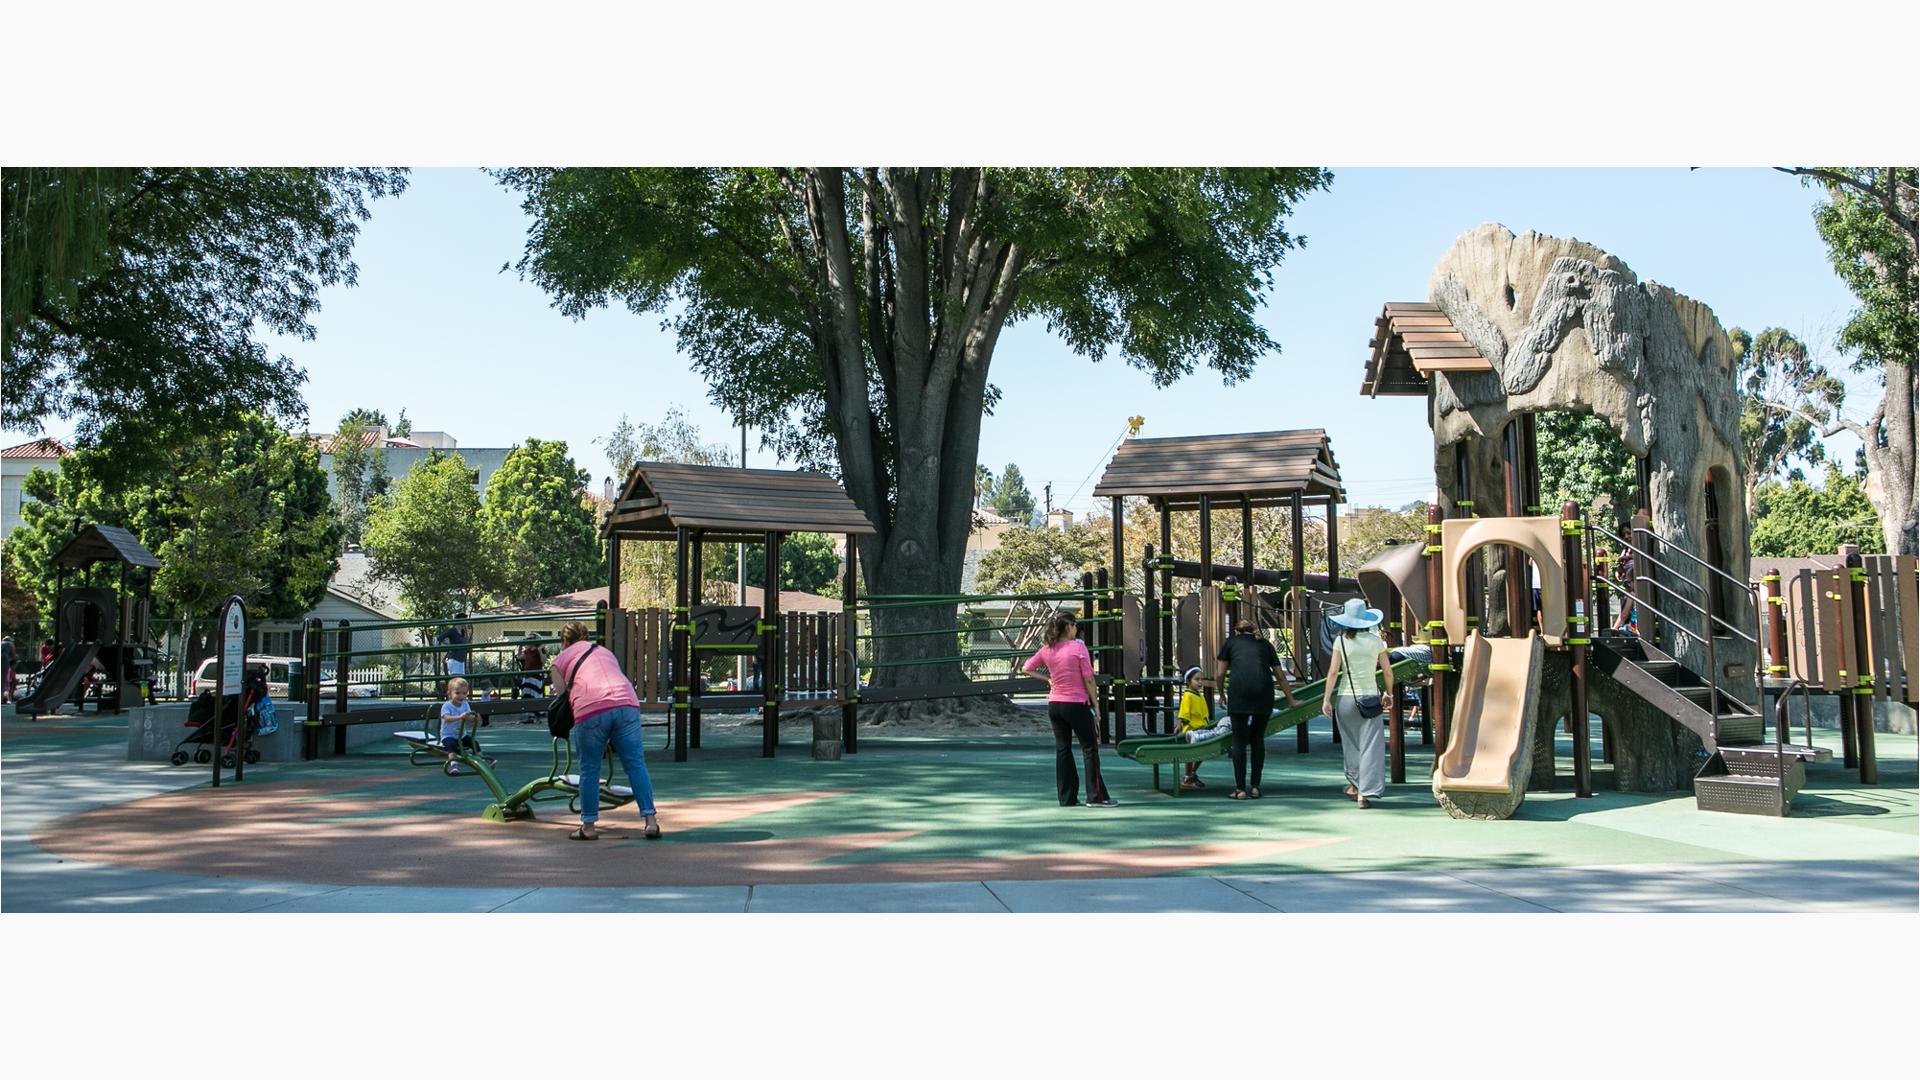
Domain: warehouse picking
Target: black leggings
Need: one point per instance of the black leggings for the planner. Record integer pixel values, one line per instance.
(1074, 720)
(1249, 733)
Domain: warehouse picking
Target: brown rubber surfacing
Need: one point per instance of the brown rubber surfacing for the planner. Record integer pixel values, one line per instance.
(346, 832)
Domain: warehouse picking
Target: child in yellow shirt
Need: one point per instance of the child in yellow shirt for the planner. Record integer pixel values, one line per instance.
(1195, 717)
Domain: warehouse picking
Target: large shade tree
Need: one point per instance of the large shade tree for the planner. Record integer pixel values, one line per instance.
(537, 526)
(133, 297)
(1871, 225)
(853, 313)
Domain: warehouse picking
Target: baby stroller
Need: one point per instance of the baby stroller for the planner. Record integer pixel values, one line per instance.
(254, 706)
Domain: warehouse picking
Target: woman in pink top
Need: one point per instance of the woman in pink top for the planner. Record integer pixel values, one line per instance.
(1069, 670)
(605, 710)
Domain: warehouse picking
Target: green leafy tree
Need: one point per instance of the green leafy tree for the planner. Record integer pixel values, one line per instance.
(1776, 370)
(243, 512)
(132, 296)
(535, 522)
(1043, 560)
(808, 563)
(1366, 531)
(1871, 225)
(646, 566)
(1581, 458)
(359, 470)
(425, 536)
(1011, 499)
(983, 489)
(853, 313)
(1796, 518)
(402, 427)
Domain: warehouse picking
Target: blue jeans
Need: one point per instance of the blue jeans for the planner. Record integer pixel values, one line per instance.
(621, 727)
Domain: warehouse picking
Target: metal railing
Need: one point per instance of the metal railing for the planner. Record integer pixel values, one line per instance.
(1709, 619)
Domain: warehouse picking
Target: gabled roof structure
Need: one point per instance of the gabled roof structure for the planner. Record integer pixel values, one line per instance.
(105, 543)
(731, 505)
(1269, 467)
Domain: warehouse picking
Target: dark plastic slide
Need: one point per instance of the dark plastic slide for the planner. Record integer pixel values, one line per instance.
(62, 677)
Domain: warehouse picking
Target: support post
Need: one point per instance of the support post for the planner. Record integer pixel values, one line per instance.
(773, 658)
(681, 640)
(1247, 561)
(1333, 542)
(1396, 712)
(1107, 633)
(1297, 597)
(1206, 541)
(1643, 573)
(1776, 631)
(342, 667)
(311, 648)
(696, 551)
(1168, 657)
(850, 657)
(1572, 530)
(1860, 694)
(1517, 578)
(1442, 661)
(1150, 634)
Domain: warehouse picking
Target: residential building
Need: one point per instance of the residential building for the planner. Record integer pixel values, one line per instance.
(15, 463)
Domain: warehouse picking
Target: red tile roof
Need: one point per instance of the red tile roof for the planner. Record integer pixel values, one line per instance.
(38, 450)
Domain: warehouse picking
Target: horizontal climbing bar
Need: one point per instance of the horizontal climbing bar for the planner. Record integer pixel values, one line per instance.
(987, 654)
(1008, 628)
(476, 620)
(902, 600)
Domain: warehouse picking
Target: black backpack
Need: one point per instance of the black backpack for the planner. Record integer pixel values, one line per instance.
(560, 710)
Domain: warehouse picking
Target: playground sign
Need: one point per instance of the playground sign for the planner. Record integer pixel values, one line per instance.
(233, 650)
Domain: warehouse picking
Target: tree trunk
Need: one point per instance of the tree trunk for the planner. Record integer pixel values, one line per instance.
(1893, 482)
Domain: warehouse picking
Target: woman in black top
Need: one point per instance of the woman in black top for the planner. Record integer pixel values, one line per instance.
(1252, 668)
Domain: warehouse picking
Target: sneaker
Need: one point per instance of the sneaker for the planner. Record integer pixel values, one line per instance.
(453, 769)
(1102, 803)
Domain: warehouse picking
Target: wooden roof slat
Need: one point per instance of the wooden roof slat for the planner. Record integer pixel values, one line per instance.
(105, 543)
(1250, 463)
(1411, 341)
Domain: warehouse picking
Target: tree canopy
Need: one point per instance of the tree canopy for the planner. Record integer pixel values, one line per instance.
(852, 313)
(1785, 398)
(132, 296)
(808, 562)
(1582, 458)
(425, 536)
(359, 470)
(1871, 225)
(245, 512)
(1796, 518)
(1011, 499)
(536, 523)
(646, 566)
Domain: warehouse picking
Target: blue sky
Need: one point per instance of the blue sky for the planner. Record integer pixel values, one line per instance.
(435, 326)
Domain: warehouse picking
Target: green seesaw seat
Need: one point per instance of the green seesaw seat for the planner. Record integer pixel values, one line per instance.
(1158, 750)
(561, 782)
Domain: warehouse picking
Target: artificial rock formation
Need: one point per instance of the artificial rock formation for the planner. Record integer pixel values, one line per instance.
(1568, 326)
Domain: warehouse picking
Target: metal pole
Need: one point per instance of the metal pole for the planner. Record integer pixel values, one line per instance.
(1246, 557)
(1101, 636)
(1150, 635)
(1297, 594)
(1168, 657)
(1206, 542)
(341, 661)
(219, 684)
(1396, 713)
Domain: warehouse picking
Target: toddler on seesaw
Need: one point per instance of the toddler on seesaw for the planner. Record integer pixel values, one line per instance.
(456, 720)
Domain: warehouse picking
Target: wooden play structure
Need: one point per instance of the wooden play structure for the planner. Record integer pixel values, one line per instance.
(98, 630)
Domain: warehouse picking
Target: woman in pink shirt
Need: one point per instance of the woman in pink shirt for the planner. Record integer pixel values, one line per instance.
(1070, 696)
(605, 709)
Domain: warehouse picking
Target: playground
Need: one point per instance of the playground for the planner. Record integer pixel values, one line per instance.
(1636, 731)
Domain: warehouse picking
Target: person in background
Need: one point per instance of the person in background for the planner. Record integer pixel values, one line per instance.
(1195, 717)
(1070, 694)
(6, 669)
(1251, 669)
(532, 663)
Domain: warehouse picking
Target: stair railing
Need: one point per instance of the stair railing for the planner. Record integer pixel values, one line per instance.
(1708, 618)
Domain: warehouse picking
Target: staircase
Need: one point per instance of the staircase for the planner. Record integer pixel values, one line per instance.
(1744, 773)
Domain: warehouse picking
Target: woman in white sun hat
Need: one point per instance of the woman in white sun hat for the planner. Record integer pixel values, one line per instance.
(1359, 680)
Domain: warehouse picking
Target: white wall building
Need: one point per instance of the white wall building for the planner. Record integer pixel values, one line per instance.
(15, 463)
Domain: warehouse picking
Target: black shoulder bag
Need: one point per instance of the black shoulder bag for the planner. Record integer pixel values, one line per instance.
(560, 710)
(1369, 705)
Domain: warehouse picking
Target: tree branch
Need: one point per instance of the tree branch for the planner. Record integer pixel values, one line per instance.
(1887, 198)
(1828, 427)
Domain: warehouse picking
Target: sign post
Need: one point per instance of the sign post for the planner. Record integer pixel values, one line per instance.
(231, 666)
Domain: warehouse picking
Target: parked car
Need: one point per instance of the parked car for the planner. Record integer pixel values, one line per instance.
(204, 675)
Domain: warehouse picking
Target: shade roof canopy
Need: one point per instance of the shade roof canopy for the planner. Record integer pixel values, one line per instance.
(1410, 342)
(1268, 467)
(105, 543)
(662, 497)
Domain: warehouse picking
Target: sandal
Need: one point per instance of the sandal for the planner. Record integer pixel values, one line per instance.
(1190, 784)
(1238, 794)
(1350, 792)
(581, 833)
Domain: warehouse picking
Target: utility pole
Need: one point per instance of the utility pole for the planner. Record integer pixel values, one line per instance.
(1049, 497)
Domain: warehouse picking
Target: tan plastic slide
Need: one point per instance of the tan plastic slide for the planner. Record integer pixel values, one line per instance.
(1499, 691)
